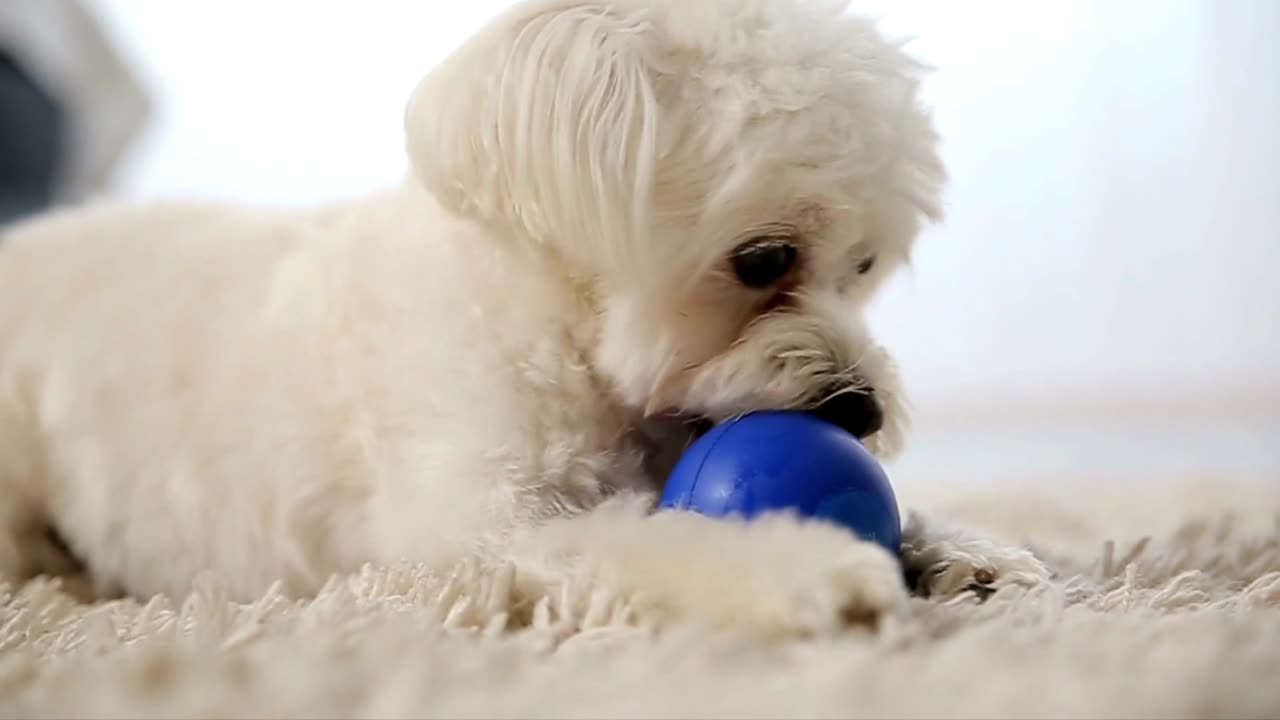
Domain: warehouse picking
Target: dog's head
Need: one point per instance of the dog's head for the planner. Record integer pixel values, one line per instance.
(731, 179)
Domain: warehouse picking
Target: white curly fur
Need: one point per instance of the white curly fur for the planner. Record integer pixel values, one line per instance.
(465, 365)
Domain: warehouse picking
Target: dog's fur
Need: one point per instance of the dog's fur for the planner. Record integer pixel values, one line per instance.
(495, 359)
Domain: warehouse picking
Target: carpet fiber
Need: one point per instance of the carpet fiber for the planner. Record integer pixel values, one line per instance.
(1167, 604)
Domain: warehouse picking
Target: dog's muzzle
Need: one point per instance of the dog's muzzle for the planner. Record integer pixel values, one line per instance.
(856, 410)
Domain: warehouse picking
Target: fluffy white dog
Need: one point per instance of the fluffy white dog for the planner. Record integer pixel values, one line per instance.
(627, 216)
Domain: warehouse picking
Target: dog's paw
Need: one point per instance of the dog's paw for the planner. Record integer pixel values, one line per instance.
(858, 586)
(945, 560)
(776, 575)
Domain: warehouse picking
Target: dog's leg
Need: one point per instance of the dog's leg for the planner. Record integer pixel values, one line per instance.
(30, 549)
(17, 510)
(943, 559)
(29, 546)
(13, 562)
(774, 575)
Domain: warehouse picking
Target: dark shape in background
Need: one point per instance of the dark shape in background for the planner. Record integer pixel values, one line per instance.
(70, 107)
(32, 142)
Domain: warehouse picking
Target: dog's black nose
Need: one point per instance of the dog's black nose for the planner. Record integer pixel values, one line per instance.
(856, 410)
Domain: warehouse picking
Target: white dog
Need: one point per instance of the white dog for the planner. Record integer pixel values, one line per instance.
(627, 216)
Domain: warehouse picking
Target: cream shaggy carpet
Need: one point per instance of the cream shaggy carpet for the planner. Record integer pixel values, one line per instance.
(1167, 605)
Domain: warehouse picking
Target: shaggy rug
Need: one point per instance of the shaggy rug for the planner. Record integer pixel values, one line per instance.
(1166, 604)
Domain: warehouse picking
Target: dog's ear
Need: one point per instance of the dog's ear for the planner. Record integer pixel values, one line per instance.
(544, 122)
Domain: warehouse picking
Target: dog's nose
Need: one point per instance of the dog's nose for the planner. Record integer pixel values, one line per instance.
(857, 411)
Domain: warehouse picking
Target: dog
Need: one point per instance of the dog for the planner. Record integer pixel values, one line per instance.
(626, 219)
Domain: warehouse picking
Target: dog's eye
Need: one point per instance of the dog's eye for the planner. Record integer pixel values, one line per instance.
(865, 265)
(764, 261)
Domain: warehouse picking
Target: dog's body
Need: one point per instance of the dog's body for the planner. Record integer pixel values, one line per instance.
(622, 211)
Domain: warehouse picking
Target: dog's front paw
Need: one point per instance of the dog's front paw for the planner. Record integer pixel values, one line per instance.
(776, 575)
(858, 586)
(945, 560)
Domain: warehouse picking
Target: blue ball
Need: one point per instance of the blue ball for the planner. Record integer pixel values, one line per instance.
(786, 460)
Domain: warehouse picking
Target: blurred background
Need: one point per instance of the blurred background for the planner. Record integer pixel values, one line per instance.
(1099, 300)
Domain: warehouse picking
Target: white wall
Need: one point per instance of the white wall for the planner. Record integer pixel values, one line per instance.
(280, 101)
(1114, 217)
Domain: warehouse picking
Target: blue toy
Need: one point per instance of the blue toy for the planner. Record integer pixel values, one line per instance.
(786, 460)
